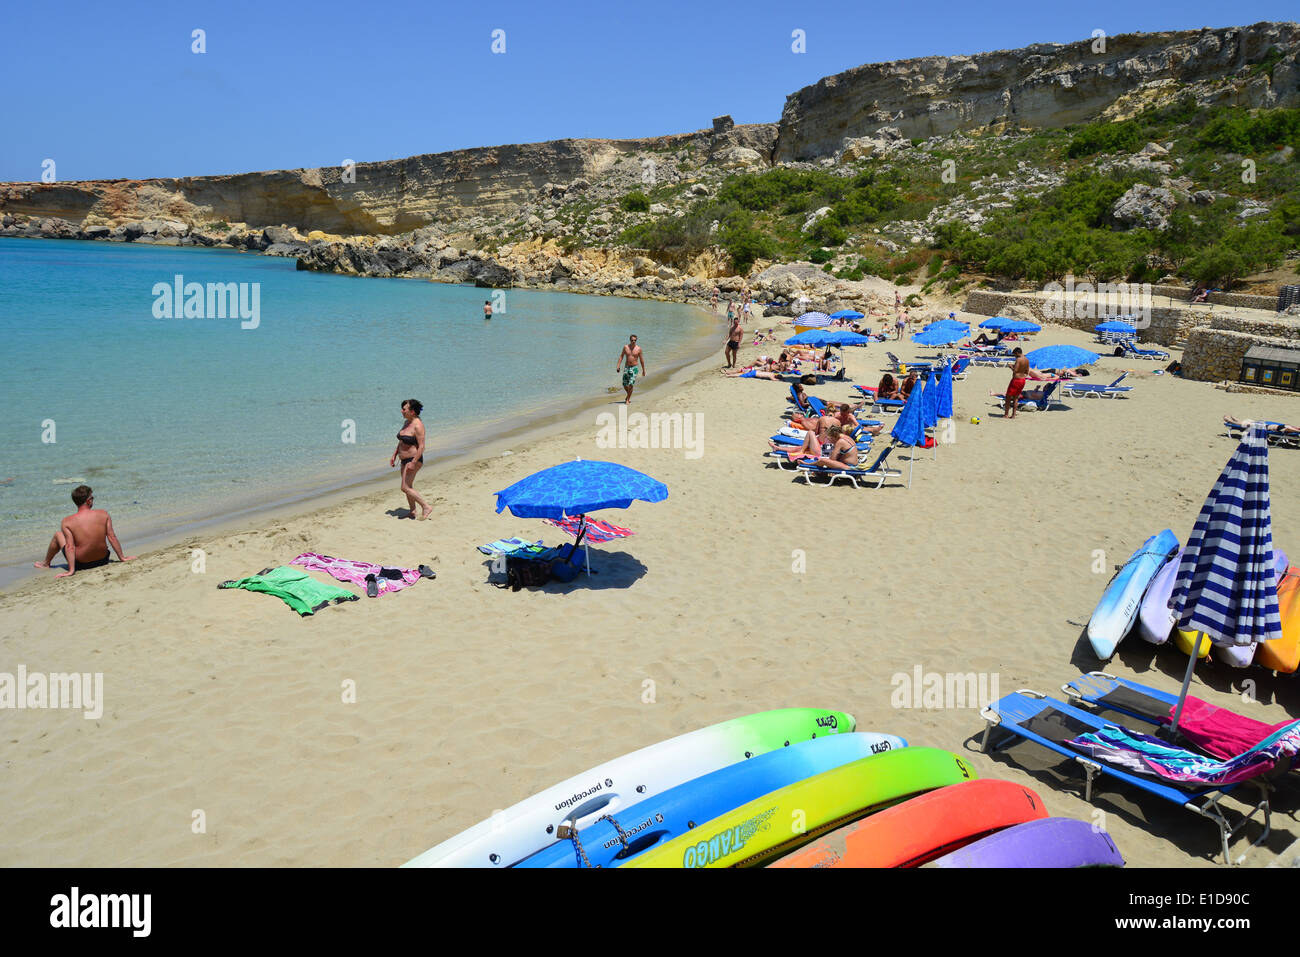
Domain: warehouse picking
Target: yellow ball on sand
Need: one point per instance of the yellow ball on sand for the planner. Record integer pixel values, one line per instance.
(974, 420)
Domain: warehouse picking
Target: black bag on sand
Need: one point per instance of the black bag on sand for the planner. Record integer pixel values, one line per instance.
(526, 572)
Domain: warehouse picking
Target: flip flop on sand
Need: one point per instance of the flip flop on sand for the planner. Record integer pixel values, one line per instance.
(427, 572)
(372, 586)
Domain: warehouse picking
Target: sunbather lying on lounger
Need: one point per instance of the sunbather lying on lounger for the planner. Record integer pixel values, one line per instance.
(984, 340)
(751, 372)
(1247, 423)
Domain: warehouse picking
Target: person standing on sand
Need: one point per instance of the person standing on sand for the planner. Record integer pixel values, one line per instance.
(1019, 373)
(732, 348)
(84, 536)
(487, 308)
(898, 327)
(629, 360)
(713, 300)
(410, 449)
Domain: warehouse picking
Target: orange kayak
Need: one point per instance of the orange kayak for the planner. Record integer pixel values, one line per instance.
(1283, 654)
(926, 827)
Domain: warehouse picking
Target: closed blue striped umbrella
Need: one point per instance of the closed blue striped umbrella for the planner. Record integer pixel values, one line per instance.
(1226, 586)
(931, 400)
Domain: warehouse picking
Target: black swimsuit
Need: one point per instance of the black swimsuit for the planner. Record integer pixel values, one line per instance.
(409, 440)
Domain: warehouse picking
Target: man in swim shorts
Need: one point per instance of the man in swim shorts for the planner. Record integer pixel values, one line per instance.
(1019, 373)
(84, 536)
(629, 359)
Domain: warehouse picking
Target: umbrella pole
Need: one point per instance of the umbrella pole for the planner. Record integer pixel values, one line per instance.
(586, 554)
(1187, 683)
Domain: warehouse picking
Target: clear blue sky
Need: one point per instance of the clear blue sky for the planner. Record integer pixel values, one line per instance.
(111, 89)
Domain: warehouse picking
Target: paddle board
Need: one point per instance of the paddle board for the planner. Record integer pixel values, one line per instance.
(1240, 656)
(525, 828)
(608, 843)
(1155, 620)
(1050, 842)
(923, 828)
(1118, 608)
(1283, 654)
(760, 830)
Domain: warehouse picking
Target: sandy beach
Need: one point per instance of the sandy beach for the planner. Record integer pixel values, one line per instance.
(228, 736)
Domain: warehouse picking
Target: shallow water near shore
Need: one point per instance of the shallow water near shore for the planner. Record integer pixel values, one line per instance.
(174, 420)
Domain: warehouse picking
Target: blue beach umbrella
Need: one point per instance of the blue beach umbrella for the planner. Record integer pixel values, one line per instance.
(1019, 326)
(1060, 357)
(944, 409)
(846, 314)
(1115, 325)
(576, 488)
(909, 429)
(931, 406)
(813, 337)
(994, 323)
(939, 337)
(1225, 587)
(948, 324)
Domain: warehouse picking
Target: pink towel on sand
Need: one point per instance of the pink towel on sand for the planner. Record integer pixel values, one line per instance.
(1221, 732)
(356, 572)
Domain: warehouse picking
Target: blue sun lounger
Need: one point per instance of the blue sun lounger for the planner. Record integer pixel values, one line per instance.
(1274, 434)
(1043, 402)
(1085, 389)
(884, 405)
(896, 364)
(875, 473)
(1050, 724)
(1151, 354)
(985, 359)
(1102, 690)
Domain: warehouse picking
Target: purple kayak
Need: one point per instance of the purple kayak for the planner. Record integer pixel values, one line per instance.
(1049, 842)
(1240, 656)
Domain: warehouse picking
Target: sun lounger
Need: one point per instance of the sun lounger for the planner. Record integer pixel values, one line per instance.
(1029, 404)
(959, 367)
(1209, 728)
(1051, 724)
(1096, 389)
(904, 367)
(1153, 355)
(999, 359)
(1274, 434)
(875, 473)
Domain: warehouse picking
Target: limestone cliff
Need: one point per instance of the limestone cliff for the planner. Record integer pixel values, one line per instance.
(382, 198)
(1043, 85)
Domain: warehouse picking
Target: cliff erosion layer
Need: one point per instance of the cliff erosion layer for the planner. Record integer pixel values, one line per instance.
(1043, 85)
(383, 198)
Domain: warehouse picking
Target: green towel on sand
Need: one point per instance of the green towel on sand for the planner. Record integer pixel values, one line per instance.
(299, 591)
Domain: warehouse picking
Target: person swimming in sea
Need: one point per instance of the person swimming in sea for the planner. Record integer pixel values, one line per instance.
(410, 449)
(487, 308)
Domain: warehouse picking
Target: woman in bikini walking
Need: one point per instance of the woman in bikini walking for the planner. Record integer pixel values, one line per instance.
(410, 449)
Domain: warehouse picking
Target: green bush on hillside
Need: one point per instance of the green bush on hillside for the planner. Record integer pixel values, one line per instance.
(635, 202)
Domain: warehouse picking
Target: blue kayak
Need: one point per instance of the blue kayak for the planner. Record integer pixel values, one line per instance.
(608, 843)
(1119, 604)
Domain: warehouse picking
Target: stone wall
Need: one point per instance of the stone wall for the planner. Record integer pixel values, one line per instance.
(1169, 325)
(1214, 353)
(1184, 294)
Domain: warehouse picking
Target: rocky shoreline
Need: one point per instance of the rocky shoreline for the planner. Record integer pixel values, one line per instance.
(429, 253)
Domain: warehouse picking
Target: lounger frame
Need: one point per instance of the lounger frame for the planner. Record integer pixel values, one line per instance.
(1205, 803)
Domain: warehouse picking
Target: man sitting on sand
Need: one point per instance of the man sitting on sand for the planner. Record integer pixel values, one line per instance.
(84, 536)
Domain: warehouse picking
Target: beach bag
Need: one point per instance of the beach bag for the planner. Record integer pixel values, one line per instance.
(808, 379)
(526, 572)
(565, 566)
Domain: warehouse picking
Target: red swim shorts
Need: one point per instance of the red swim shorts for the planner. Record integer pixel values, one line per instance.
(1015, 388)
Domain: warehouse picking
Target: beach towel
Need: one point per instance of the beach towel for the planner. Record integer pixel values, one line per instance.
(596, 532)
(298, 590)
(507, 546)
(1219, 731)
(1147, 755)
(358, 573)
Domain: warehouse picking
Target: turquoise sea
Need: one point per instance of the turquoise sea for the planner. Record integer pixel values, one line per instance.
(176, 420)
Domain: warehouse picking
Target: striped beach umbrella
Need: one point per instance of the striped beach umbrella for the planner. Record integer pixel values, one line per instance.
(813, 320)
(1225, 588)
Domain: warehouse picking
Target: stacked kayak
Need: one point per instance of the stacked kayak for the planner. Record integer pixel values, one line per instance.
(1047, 842)
(926, 827)
(1120, 602)
(529, 826)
